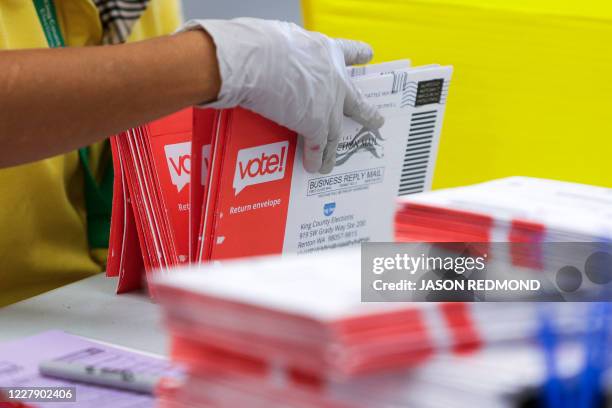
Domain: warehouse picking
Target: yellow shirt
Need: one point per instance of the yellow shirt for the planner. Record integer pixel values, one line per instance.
(43, 240)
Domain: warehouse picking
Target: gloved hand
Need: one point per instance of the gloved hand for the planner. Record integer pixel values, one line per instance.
(292, 76)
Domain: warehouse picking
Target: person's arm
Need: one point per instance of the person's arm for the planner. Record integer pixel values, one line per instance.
(54, 101)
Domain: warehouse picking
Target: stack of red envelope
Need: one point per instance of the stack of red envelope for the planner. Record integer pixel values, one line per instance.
(293, 331)
(205, 185)
(513, 209)
(247, 161)
(257, 199)
(151, 199)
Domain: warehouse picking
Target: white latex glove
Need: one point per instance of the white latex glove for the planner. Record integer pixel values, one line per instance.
(294, 77)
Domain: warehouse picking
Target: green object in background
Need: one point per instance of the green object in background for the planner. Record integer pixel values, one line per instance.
(98, 197)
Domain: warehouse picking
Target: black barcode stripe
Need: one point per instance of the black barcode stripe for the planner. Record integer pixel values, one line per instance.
(426, 143)
(412, 191)
(428, 132)
(428, 129)
(418, 152)
(414, 154)
(417, 149)
(413, 183)
(416, 139)
(417, 144)
(411, 168)
(407, 158)
(416, 183)
(420, 136)
(414, 173)
(407, 191)
(421, 166)
(424, 113)
(423, 133)
(410, 186)
(415, 179)
(411, 178)
(420, 185)
(425, 156)
(413, 146)
(423, 128)
(414, 164)
(420, 118)
(422, 174)
(421, 123)
(415, 187)
(423, 136)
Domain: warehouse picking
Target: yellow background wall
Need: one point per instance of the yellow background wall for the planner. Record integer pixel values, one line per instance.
(532, 88)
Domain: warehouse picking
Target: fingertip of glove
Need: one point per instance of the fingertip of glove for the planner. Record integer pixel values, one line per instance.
(355, 52)
(370, 117)
(311, 168)
(312, 162)
(365, 52)
(326, 168)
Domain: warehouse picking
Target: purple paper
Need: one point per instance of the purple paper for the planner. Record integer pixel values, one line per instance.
(19, 360)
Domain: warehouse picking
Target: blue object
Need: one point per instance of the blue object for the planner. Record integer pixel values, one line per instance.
(585, 391)
(595, 342)
(553, 387)
(328, 209)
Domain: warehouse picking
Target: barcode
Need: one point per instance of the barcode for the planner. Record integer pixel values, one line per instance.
(357, 71)
(418, 152)
(399, 81)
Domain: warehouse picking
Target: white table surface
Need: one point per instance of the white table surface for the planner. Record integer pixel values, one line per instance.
(89, 308)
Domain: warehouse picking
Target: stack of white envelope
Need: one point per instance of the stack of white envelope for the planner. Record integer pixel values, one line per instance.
(509, 209)
(557, 232)
(292, 331)
(497, 377)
